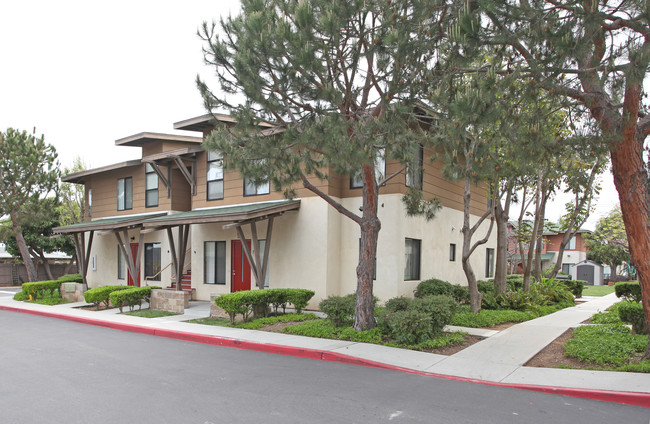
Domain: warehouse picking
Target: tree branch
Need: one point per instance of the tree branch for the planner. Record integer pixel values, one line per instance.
(336, 205)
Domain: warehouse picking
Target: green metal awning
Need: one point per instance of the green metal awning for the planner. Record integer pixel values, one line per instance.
(232, 213)
(107, 223)
(545, 257)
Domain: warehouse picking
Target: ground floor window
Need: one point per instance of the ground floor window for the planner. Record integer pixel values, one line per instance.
(566, 269)
(215, 262)
(489, 263)
(152, 261)
(412, 259)
(452, 252)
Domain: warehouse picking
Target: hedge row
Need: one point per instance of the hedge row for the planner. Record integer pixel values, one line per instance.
(131, 297)
(38, 289)
(102, 294)
(628, 290)
(243, 302)
(340, 309)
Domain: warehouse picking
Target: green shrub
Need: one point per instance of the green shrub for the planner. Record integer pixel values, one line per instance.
(400, 303)
(131, 297)
(489, 318)
(422, 319)
(515, 282)
(100, 295)
(485, 287)
(39, 289)
(549, 292)
(299, 298)
(632, 313)
(71, 278)
(242, 302)
(575, 286)
(628, 290)
(515, 300)
(434, 287)
(327, 330)
(339, 309)
(21, 296)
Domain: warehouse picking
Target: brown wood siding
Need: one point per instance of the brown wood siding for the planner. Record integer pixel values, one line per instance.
(151, 149)
(181, 192)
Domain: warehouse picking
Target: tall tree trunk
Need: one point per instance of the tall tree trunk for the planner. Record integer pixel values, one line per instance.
(364, 312)
(32, 275)
(630, 179)
(502, 213)
(46, 264)
(540, 218)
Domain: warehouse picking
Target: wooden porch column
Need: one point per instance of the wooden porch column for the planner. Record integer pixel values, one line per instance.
(258, 266)
(178, 258)
(132, 263)
(83, 253)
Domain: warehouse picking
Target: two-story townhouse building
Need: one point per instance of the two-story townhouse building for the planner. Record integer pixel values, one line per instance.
(177, 211)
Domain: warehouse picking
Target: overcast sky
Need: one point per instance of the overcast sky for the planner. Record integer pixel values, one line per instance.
(88, 73)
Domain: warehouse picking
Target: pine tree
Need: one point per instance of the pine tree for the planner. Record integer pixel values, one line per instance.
(596, 54)
(28, 172)
(337, 80)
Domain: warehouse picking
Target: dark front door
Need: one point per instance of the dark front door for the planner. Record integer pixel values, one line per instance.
(585, 273)
(134, 255)
(239, 266)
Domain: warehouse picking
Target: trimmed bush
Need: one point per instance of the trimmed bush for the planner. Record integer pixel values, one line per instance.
(628, 290)
(102, 294)
(632, 313)
(21, 296)
(421, 320)
(515, 282)
(38, 289)
(575, 286)
(550, 291)
(242, 302)
(400, 303)
(339, 309)
(434, 287)
(71, 278)
(485, 287)
(131, 297)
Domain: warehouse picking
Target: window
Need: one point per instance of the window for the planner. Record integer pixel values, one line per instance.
(412, 259)
(215, 262)
(90, 202)
(152, 261)
(151, 186)
(414, 174)
(566, 269)
(452, 252)
(356, 180)
(121, 264)
(215, 176)
(489, 263)
(253, 189)
(571, 245)
(124, 193)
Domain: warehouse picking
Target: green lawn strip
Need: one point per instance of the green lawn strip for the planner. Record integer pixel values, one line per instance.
(255, 324)
(607, 345)
(492, 317)
(597, 290)
(149, 313)
(324, 329)
(50, 301)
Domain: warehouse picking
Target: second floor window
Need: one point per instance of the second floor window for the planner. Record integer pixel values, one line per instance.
(215, 176)
(124, 193)
(356, 180)
(414, 173)
(90, 202)
(253, 189)
(571, 245)
(151, 186)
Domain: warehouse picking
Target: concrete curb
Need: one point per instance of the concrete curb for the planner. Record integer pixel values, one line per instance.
(627, 398)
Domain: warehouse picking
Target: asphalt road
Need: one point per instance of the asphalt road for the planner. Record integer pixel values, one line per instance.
(55, 371)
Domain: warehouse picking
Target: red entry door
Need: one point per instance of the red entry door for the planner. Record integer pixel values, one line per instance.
(134, 255)
(240, 268)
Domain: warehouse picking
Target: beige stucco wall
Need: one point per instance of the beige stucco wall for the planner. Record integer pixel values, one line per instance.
(317, 248)
(104, 248)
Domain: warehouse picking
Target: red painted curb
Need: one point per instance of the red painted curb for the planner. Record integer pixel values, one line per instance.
(627, 398)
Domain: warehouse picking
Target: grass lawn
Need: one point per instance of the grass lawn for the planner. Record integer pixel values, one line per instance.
(492, 317)
(148, 313)
(256, 323)
(49, 299)
(597, 290)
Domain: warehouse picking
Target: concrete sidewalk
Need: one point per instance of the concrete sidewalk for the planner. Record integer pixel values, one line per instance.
(498, 359)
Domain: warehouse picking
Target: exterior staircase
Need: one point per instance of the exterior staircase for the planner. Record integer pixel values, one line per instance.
(186, 284)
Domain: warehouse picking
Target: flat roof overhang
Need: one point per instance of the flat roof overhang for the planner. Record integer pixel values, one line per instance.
(209, 121)
(106, 224)
(224, 214)
(78, 177)
(138, 140)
